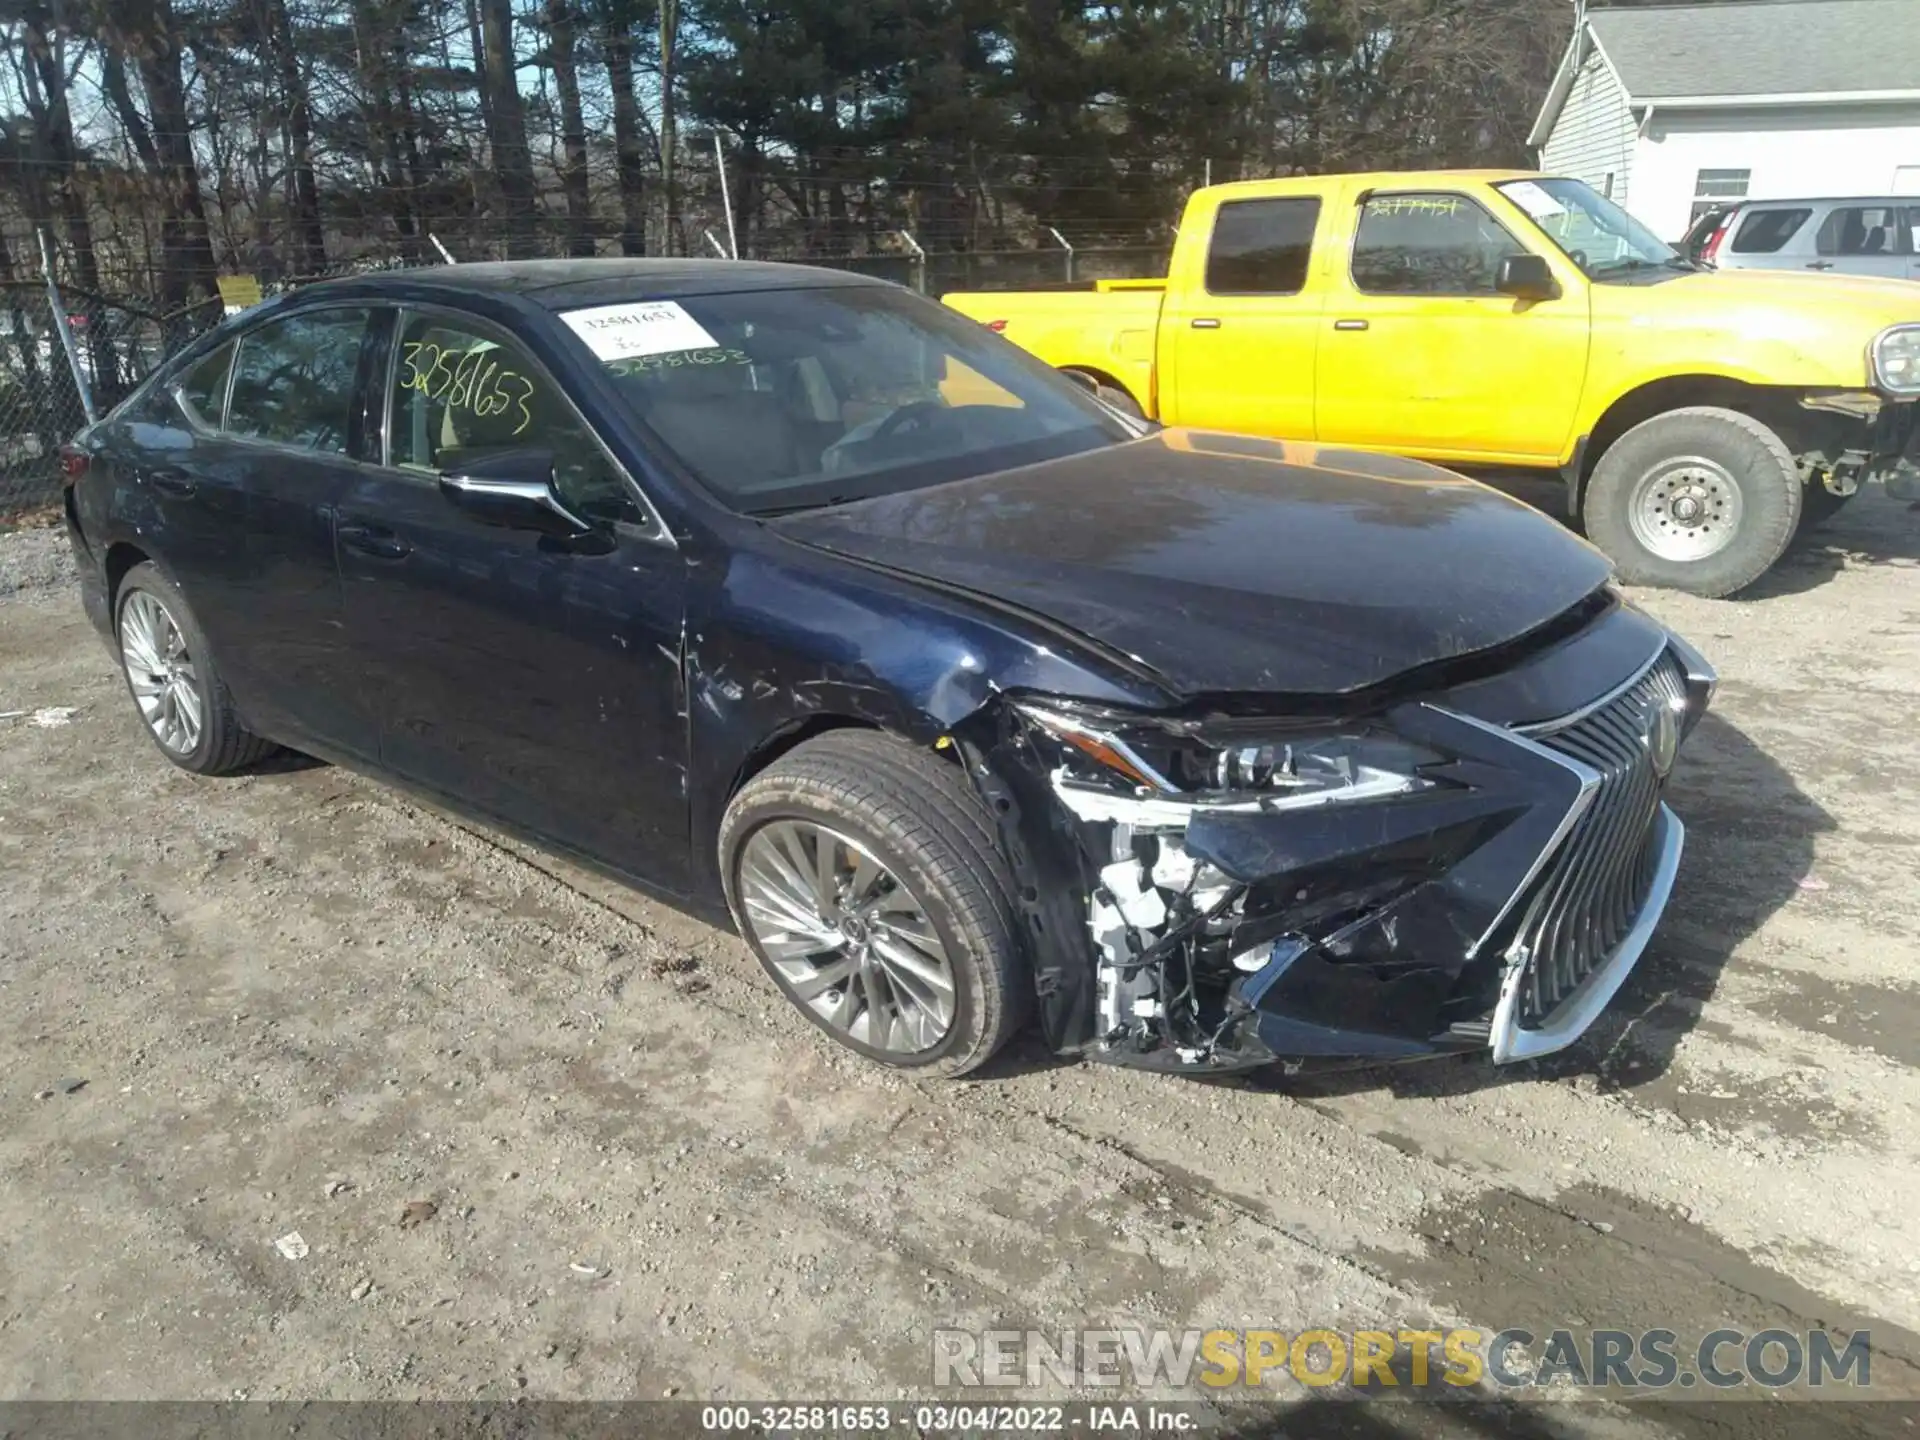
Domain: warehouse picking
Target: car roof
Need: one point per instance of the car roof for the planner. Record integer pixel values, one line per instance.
(568, 284)
(1831, 200)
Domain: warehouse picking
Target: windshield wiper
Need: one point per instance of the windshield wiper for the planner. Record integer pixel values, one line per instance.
(1638, 265)
(765, 512)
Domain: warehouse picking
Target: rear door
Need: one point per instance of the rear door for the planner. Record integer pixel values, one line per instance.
(1870, 238)
(1237, 330)
(531, 679)
(1419, 352)
(242, 477)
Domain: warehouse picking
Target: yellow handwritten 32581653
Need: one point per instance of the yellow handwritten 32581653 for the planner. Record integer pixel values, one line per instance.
(467, 380)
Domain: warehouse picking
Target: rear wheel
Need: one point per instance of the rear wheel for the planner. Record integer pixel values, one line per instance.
(1701, 499)
(1110, 394)
(867, 878)
(179, 693)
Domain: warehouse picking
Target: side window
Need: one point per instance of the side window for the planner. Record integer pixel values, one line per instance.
(1860, 230)
(1261, 247)
(1428, 244)
(461, 392)
(293, 380)
(1764, 232)
(202, 390)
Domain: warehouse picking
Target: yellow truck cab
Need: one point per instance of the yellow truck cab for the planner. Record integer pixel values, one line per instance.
(1502, 320)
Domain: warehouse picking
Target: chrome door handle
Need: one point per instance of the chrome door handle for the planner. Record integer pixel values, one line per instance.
(1206, 323)
(1349, 324)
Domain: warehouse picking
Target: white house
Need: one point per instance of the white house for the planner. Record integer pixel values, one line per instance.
(1671, 109)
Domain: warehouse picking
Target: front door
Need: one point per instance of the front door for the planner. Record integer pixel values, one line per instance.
(1236, 347)
(533, 680)
(1420, 353)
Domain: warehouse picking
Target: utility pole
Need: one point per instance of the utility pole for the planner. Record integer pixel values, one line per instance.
(669, 141)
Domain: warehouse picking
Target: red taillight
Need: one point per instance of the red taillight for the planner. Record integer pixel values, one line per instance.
(1710, 252)
(73, 463)
(996, 325)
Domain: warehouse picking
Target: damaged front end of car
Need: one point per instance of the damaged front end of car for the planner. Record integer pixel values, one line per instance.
(1217, 891)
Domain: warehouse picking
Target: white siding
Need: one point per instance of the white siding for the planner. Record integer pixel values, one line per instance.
(1825, 150)
(1593, 138)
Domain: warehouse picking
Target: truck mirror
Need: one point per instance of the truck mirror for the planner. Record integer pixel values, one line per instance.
(1525, 277)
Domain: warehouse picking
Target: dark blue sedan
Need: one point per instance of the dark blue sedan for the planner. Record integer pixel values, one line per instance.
(813, 608)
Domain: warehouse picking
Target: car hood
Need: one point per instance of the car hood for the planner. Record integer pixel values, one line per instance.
(1769, 327)
(1233, 565)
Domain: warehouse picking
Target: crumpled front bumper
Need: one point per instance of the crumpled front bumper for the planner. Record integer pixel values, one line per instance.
(1501, 911)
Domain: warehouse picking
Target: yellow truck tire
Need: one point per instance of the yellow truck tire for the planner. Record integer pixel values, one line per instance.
(1701, 499)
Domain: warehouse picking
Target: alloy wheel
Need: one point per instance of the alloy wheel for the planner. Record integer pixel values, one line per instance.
(1685, 509)
(847, 936)
(161, 672)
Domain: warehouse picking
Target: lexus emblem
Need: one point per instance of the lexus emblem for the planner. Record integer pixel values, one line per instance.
(1662, 737)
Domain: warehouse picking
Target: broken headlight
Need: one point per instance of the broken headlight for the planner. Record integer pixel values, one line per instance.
(1258, 765)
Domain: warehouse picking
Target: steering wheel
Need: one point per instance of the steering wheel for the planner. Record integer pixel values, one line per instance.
(918, 412)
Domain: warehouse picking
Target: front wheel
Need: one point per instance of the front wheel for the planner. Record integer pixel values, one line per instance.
(867, 877)
(1702, 499)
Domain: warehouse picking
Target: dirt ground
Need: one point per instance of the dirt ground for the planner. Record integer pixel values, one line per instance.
(295, 1002)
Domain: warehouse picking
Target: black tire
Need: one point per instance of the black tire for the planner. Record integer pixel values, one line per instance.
(1111, 395)
(1819, 505)
(224, 743)
(917, 815)
(1752, 458)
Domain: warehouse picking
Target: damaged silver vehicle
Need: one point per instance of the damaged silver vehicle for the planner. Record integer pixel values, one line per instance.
(815, 609)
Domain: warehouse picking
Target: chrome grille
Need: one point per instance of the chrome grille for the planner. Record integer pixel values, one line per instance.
(1586, 899)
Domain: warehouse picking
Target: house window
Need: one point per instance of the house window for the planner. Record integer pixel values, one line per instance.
(1713, 188)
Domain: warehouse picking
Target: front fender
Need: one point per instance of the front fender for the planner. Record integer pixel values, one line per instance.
(784, 637)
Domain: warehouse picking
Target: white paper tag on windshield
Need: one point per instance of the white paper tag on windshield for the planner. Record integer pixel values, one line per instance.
(646, 327)
(1532, 199)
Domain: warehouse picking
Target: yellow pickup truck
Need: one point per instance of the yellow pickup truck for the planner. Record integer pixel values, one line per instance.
(1500, 320)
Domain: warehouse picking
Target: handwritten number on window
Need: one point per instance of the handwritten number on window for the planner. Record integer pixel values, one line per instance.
(471, 381)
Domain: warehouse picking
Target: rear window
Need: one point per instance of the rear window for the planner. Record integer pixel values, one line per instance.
(1763, 232)
(293, 381)
(203, 389)
(1261, 247)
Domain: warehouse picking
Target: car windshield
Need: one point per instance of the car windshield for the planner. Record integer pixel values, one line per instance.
(791, 399)
(1597, 235)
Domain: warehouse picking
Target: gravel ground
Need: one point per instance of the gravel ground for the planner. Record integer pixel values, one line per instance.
(34, 559)
(299, 1003)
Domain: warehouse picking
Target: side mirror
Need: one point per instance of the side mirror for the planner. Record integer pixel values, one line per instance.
(514, 489)
(1525, 277)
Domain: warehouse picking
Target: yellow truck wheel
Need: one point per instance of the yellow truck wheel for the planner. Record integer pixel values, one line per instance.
(1701, 499)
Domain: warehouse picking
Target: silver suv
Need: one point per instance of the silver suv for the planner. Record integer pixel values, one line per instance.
(1861, 236)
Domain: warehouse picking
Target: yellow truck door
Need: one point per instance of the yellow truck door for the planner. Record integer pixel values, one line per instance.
(1238, 326)
(1420, 352)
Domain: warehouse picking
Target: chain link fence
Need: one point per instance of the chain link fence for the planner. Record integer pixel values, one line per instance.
(117, 344)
